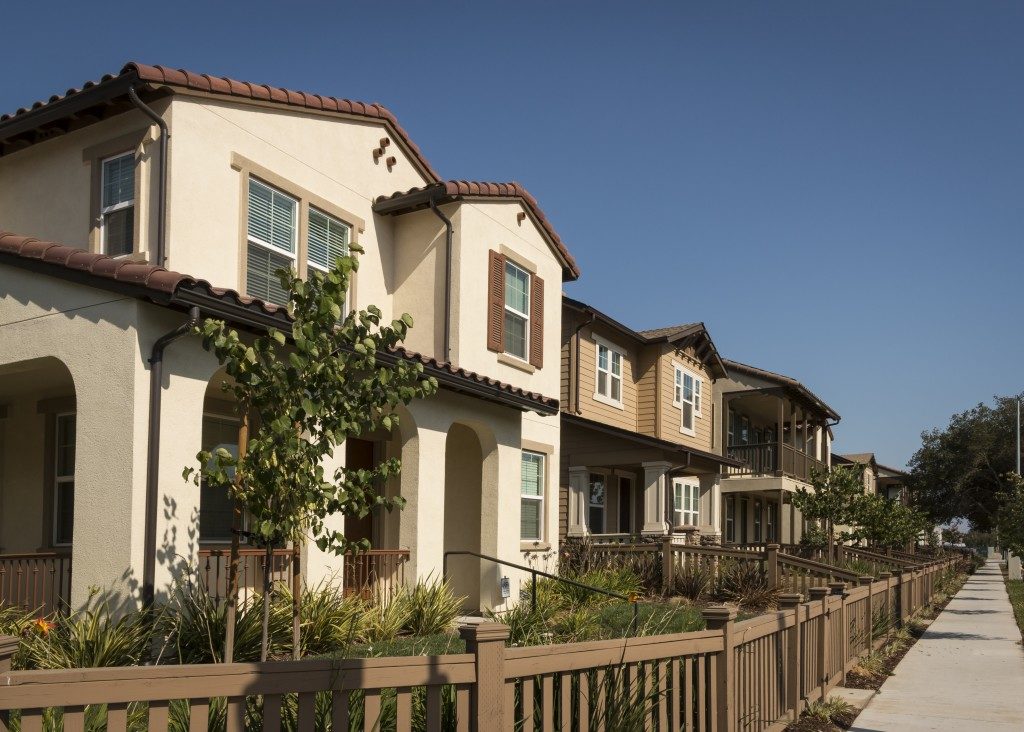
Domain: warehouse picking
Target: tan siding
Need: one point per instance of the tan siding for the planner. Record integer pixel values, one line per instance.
(672, 416)
(590, 407)
(647, 398)
(566, 362)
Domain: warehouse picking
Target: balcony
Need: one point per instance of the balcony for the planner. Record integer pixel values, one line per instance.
(763, 459)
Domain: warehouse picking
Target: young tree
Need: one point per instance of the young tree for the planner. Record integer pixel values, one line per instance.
(832, 499)
(1010, 518)
(887, 524)
(304, 393)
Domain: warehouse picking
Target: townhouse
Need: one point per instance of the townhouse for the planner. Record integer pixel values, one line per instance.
(155, 197)
(641, 429)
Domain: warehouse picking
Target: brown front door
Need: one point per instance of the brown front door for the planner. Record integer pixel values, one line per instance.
(359, 454)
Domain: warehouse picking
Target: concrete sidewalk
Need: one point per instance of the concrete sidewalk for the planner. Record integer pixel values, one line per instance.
(965, 673)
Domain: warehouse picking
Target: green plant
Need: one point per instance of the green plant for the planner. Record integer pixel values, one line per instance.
(14, 619)
(872, 663)
(330, 620)
(831, 711)
(432, 607)
(89, 638)
(385, 621)
(746, 584)
(693, 581)
(617, 705)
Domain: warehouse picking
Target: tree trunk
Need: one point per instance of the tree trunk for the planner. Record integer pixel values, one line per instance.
(831, 529)
(268, 569)
(236, 526)
(296, 600)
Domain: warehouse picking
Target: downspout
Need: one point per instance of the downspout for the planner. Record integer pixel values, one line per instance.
(449, 230)
(161, 205)
(576, 362)
(156, 372)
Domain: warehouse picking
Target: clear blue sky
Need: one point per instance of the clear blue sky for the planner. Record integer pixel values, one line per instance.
(836, 189)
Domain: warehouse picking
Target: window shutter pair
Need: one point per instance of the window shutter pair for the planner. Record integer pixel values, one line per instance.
(496, 310)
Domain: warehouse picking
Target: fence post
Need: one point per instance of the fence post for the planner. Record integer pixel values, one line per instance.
(821, 593)
(870, 582)
(772, 564)
(839, 588)
(487, 642)
(721, 618)
(667, 565)
(900, 601)
(791, 601)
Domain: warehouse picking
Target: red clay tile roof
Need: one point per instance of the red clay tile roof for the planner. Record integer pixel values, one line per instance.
(457, 189)
(162, 285)
(164, 75)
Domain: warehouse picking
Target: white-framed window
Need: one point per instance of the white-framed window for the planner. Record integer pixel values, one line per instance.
(757, 522)
(517, 311)
(685, 503)
(730, 518)
(596, 504)
(64, 480)
(531, 497)
(117, 204)
(272, 241)
(216, 509)
(773, 522)
(609, 373)
(687, 397)
(326, 241)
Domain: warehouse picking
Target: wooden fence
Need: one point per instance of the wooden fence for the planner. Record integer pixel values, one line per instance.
(38, 582)
(376, 572)
(750, 676)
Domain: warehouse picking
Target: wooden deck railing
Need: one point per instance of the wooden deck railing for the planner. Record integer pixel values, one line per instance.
(377, 572)
(763, 459)
(750, 676)
(38, 582)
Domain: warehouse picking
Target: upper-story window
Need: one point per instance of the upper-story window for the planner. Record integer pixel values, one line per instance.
(117, 205)
(609, 374)
(327, 240)
(687, 397)
(273, 239)
(517, 310)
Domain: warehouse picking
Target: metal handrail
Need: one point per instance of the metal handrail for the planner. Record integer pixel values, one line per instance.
(533, 579)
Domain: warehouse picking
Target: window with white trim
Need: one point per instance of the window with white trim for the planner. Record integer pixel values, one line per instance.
(609, 374)
(64, 480)
(326, 240)
(272, 241)
(517, 310)
(117, 205)
(687, 397)
(757, 521)
(596, 504)
(531, 497)
(685, 503)
(730, 518)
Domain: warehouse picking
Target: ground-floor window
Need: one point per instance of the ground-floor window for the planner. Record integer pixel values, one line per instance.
(531, 511)
(773, 522)
(625, 505)
(216, 509)
(596, 503)
(64, 480)
(730, 519)
(758, 508)
(686, 503)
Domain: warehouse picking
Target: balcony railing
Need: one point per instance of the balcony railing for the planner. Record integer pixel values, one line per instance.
(763, 459)
(371, 573)
(38, 582)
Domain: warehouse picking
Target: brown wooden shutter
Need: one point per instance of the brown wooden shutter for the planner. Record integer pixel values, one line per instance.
(536, 322)
(496, 301)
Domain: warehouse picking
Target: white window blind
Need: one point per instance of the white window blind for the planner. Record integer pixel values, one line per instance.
(531, 517)
(517, 310)
(327, 240)
(117, 205)
(272, 240)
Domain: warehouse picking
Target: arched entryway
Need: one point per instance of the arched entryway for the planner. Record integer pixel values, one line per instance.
(463, 477)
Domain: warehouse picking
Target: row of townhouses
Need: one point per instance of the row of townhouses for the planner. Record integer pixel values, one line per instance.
(156, 196)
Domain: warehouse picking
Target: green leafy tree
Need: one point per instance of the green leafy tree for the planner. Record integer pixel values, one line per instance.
(305, 392)
(832, 499)
(1010, 518)
(886, 524)
(960, 469)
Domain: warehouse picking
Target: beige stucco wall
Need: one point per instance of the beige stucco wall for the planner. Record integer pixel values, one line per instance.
(487, 225)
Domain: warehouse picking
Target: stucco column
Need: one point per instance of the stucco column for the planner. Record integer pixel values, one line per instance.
(320, 566)
(711, 502)
(577, 501)
(655, 497)
(421, 524)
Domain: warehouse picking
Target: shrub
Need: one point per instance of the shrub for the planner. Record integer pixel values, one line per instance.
(385, 621)
(619, 705)
(329, 619)
(746, 584)
(831, 711)
(693, 581)
(432, 607)
(14, 620)
(88, 638)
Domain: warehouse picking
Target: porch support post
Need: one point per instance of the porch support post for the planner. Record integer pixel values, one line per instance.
(779, 436)
(655, 496)
(784, 531)
(577, 501)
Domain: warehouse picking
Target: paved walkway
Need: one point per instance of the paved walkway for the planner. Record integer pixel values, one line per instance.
(965, 673)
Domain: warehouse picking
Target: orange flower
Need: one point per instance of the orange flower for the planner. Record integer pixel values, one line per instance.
(43, 625)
